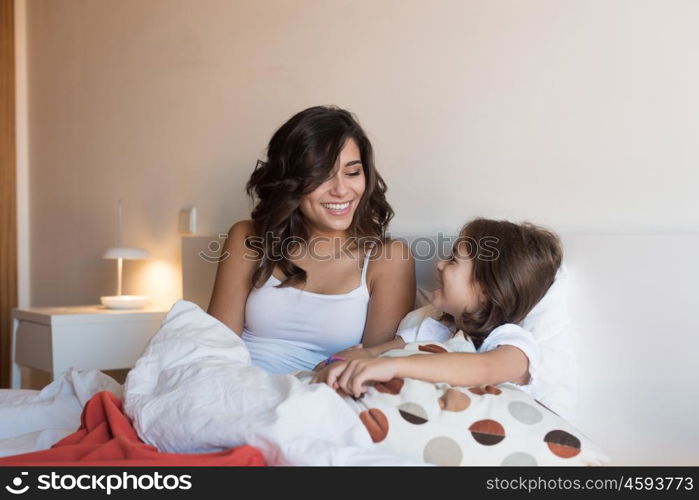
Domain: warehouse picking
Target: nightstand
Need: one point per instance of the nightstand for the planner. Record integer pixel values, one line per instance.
(53, 339)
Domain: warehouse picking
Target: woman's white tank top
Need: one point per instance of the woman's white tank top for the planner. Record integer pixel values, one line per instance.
(288, 329)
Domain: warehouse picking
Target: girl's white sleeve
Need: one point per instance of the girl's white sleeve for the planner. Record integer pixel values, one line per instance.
(515, 335)
(429, 330)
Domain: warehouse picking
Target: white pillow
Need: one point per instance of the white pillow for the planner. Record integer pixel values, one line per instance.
(550, 325)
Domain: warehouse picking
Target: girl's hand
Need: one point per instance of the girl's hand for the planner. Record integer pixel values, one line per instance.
(354, 352)
(353, 376)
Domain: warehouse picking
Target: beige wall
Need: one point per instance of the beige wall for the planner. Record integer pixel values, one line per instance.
(579, 114)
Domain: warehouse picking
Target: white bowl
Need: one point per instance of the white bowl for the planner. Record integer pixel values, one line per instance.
(125, 301)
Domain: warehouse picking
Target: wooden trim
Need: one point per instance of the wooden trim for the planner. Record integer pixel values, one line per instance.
(8, 186)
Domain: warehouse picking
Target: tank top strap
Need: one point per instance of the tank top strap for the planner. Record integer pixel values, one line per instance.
(365, 266)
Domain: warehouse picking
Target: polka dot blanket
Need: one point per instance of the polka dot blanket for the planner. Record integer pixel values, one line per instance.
(480, 425)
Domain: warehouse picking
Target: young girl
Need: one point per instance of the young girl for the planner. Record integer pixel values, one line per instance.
(497, 273)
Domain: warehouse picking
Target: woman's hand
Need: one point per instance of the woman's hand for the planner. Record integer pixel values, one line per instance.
(354, 352)
(321, 376)
(352, 376)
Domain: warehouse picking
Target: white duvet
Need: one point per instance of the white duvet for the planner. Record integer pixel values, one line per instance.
(194, 390)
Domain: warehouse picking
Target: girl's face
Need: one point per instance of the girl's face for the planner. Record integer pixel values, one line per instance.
(331, 206)
(457, 291)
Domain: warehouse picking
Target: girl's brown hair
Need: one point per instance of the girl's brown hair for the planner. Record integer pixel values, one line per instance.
(301, 156)
(514, 265)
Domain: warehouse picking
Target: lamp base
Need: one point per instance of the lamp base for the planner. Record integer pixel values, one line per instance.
(125, 301)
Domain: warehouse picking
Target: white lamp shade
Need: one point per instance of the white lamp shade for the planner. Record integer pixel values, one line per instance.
(126, 253)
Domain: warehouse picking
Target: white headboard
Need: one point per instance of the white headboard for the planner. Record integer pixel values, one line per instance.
(634, 306)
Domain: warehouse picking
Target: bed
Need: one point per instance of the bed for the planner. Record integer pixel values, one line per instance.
(631, 299)
(611, 276)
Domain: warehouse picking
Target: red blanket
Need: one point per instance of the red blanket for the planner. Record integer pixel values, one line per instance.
(107, 438)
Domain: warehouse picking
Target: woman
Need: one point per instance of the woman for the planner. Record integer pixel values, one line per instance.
(312, 273)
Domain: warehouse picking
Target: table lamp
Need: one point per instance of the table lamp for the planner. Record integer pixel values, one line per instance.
(120, 253)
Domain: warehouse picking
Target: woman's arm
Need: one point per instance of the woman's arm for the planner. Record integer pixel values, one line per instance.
(503, 364)
(357, 352)
(378, 350)
(233, 278)
(391, 281)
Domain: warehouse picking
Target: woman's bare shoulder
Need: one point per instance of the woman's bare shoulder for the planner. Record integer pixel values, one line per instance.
(391, 256)
(238, 234)
(242, 229)
(391, 281)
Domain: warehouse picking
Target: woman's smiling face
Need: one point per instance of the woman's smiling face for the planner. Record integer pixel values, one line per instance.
(331, 206)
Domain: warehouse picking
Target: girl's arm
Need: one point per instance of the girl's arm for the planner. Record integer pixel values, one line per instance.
(503, 364)
(391, 281)
(233, 278)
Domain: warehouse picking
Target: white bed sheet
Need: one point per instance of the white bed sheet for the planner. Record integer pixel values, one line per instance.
(35, 420)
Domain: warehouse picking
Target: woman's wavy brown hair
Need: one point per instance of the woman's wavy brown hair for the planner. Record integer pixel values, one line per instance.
(514, 265)
(301, 156)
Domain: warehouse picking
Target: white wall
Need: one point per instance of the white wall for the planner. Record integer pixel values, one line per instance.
(633, 304)
(582, 115)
